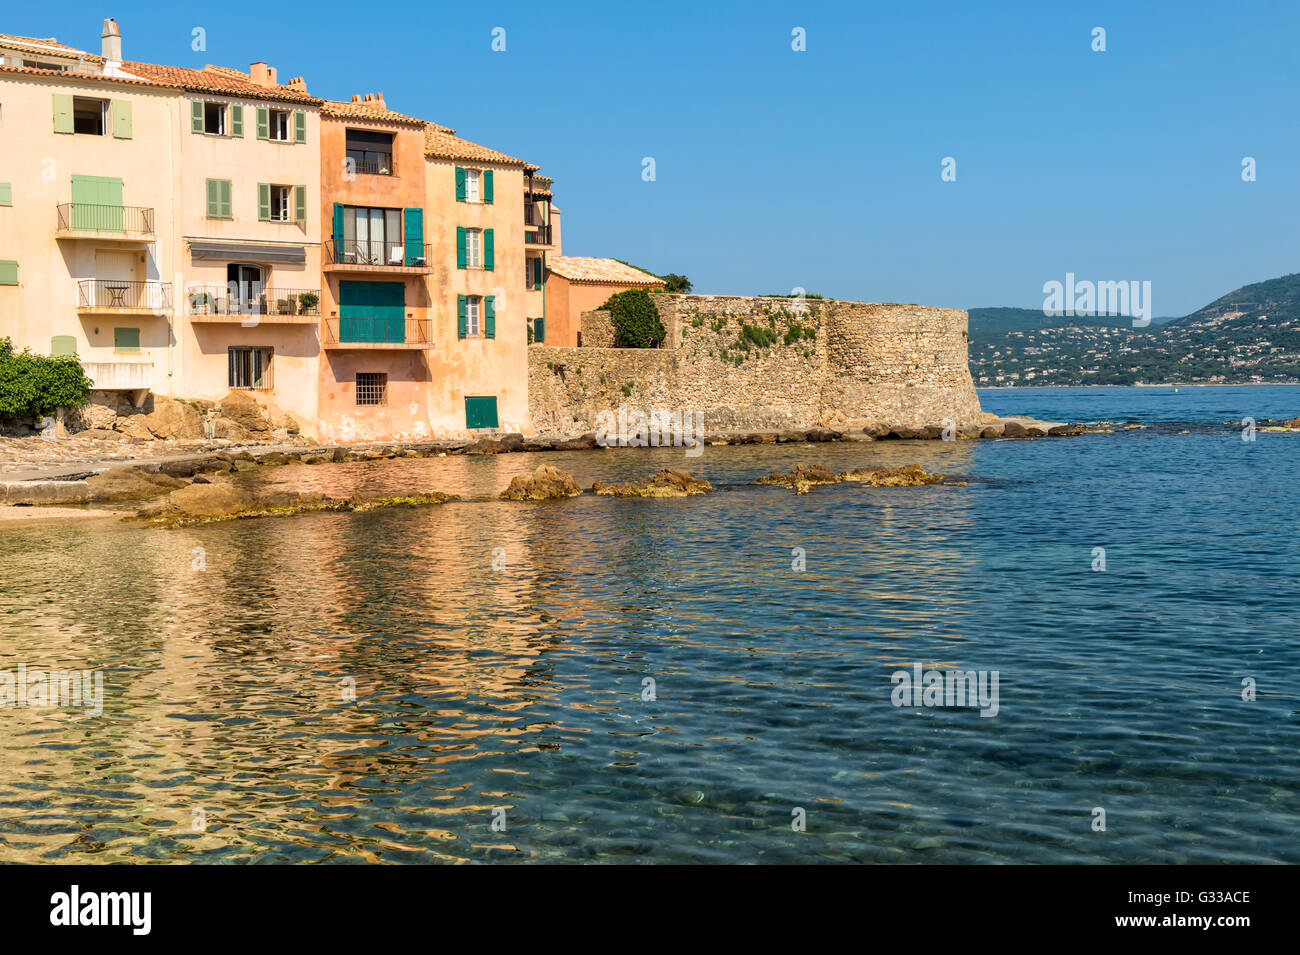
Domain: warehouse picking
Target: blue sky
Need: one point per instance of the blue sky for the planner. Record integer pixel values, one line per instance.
(821, 169)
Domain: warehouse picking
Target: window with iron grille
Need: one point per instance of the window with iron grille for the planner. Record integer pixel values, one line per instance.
(250, 368)
(372, 388)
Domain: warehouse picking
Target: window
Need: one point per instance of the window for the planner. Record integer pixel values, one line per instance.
(472, 309)
(474, 248)
(42, 65)
(372, 236)
(369, 152)
(372, 388)
(214, 119)
(126, 340)
(281, 203)
(250, 368)
(280, 125)
(89, 116)
(471, 185)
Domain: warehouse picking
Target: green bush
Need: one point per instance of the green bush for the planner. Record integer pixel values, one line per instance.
(636, 319)
(34, 385)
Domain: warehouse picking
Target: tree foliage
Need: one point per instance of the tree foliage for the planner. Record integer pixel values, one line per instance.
(636, 319)
(34, 385)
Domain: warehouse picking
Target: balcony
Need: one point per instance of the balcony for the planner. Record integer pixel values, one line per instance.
(537, 235)
(410, 334)
(83, 220)
(114, 297)
(134, 376)
(375, 256)
(252, 304)
(381, 166)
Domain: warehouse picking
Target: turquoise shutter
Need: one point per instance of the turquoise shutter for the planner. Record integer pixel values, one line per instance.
(490, 317)
(487, 186)
(62, 112)
(299, 126)
(263, 123)
(236, 120)
(196, 116)
(263, 202)
(299, 203)
(120, 112)
(460, 172)
(539, 330)
(460, 316)
(414, 235)
(338, 232)
(537, 274)
(489, 254)
(460, 247)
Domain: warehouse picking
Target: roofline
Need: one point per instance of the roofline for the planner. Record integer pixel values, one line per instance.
(74, 76)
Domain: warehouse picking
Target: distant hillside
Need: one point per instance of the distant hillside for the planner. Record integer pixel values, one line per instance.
(1249, 335)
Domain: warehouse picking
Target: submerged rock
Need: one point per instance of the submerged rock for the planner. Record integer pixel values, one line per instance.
(213, 501)
(909, 475)
(801, 478)
(129, 484)
(669, 482)
(545, 484)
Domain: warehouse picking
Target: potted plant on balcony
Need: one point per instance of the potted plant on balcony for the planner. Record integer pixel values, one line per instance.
(199, 303)
(308, 301)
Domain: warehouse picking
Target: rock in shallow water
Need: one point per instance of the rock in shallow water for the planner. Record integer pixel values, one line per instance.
(669, 482)
(545, 484)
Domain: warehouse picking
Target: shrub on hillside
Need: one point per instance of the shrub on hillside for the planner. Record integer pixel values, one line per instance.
(34, 385)
(636, 319)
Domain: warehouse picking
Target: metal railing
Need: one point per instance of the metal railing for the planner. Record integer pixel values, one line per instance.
(372, 252)
(378, 331)
(538, 235)
(235, 298)
(114, 293)
(87, 217)
(371, 167)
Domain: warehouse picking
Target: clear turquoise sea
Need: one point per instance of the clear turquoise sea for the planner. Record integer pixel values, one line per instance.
(517, 694)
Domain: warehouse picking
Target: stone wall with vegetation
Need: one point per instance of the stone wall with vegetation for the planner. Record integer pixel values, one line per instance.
(767, 364)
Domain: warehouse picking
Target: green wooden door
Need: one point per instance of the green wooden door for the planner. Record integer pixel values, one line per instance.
(481, 412)
(96, 204)
(372, 312)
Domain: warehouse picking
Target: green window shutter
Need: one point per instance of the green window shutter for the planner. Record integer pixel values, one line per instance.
(196, 116)
(299, 126)
(236, 120)
(338, 232)
(460, 313)
(9, 274)
(460, 172)
(490, 317)
(537, 274)
(6, 194)
(299, 203)
(120, 111)
(489, 254)
(263, 122)
(539, 330)
(63, 112)
(214, 199)
(227, 206)
(487, 186)
(126, 339)
(264, 202)
(460, 247)
(481, 412)
(413, 234)
(62, 346)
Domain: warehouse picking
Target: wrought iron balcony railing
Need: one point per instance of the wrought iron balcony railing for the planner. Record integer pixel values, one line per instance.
(377, 332)
(236, 299)
(87, 217)
(111, 294)
(376, 253)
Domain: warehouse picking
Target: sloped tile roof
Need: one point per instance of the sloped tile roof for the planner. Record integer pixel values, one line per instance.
(372, 111)
(47, 45)
(584, 268)
(441, 143)
(221, 80)
(85, 77)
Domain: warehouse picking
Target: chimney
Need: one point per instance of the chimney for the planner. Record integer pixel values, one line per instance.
(356, 97)
(111, 41)
(370, 98)
(261, 74)
(298, 83)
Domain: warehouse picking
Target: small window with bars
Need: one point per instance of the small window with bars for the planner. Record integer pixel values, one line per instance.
(250, 368)
(372, 388)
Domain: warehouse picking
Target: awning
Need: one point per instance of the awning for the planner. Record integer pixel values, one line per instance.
(247, 252)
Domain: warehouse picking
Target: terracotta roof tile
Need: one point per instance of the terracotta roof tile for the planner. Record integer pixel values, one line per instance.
(373, 110)
(91, 77)
(583, 268)
(47, 45)
(220, 80)
(441, 143)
